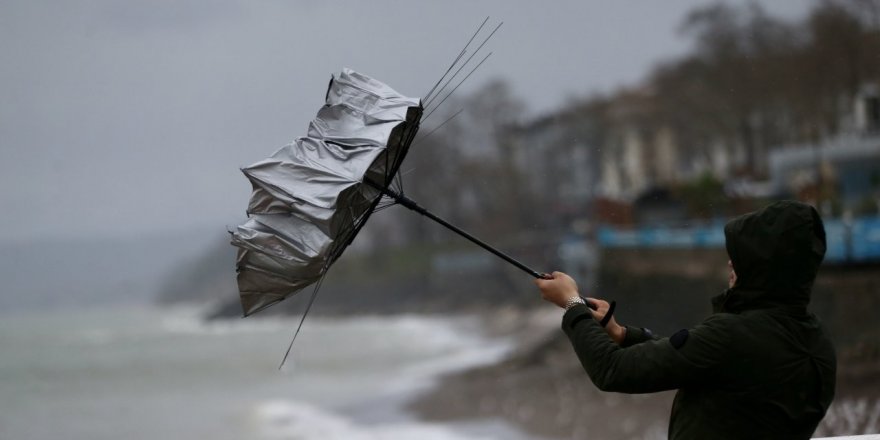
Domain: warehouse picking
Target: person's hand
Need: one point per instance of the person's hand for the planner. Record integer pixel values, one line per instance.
(616, 331)
(559, 289)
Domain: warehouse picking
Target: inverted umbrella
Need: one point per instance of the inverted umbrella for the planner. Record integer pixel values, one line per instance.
(311, 197)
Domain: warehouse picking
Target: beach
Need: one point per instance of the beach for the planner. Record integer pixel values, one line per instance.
(541, 389)
(166, 373)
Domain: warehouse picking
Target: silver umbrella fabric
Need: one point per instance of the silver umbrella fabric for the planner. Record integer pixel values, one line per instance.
(310, 198)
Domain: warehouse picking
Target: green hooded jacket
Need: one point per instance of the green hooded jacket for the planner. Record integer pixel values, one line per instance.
(760, 367)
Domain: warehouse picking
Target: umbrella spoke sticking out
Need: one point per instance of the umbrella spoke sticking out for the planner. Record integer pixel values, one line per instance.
(364, 129)
(456, 87)
(486, 40)
(303, 318)
(454, 62)
(312, 198)
(422, 139)
(435, 92)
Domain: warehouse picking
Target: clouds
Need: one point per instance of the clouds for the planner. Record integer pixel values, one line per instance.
(131, 116)
(183, 16)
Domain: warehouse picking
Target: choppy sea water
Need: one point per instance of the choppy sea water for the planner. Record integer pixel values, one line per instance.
(144, 373)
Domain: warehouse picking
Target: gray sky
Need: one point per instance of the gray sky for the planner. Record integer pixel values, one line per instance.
(132, 117)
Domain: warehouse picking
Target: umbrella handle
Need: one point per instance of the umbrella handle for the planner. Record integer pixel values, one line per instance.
(412, 205)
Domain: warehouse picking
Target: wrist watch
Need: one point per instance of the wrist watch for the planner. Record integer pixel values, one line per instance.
(573, 301)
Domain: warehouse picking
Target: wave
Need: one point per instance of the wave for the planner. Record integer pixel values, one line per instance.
(288, 419)
(191, 320)
(353, 376)
(432, 331)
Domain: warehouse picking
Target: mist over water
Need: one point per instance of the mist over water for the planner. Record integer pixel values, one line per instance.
(143, 373)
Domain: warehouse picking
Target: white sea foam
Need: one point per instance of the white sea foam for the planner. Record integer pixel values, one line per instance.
(97, 336)
(850, 415)
(140, 369)
(191, 321)
(433, 330)
(420, 375)
(403, 355)
(291, 420)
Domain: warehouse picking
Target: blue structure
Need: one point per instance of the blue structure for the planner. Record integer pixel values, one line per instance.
(857, 241)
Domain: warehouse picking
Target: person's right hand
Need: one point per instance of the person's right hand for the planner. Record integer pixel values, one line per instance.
(616, 331)
(559, 288)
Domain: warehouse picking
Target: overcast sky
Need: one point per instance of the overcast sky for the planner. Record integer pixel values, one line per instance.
(132, 117)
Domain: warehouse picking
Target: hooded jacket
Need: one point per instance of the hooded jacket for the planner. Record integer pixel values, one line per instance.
(761, 366)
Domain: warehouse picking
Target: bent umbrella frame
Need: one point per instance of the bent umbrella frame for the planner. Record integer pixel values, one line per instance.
(312, 197)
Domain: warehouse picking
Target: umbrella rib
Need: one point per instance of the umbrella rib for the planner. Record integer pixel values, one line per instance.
(397, 180)
(428, 103)
(303, 319)
(387, 157)
(408, 142)
(384, 207)
(460, 54)
(421, 139)
(347, 235)
(433, 89)
(456, 88)
(335, 253)
(391, 200)
(385, 202)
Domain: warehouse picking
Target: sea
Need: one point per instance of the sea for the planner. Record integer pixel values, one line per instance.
(139, 372)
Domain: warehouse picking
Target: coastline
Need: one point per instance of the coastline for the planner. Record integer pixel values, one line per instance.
(541, 389)
(167, 373)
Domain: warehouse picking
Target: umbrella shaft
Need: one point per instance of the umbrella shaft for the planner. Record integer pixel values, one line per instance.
(411, 204)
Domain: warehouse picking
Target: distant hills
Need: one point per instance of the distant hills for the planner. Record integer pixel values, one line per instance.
(387, 280)
(80, 272)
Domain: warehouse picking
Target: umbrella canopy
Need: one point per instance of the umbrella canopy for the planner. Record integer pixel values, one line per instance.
(311, 197)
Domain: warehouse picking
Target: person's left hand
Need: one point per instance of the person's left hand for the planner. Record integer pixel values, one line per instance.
(558, 289)
(600, 308)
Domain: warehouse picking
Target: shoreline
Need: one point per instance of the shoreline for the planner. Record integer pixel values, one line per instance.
(541, 389)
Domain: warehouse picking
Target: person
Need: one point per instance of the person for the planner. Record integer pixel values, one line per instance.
(761, 366)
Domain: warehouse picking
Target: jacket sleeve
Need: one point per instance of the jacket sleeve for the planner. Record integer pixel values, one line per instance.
(636, 335)
(652, 365)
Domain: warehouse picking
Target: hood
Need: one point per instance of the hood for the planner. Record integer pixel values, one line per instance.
(776, 253)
